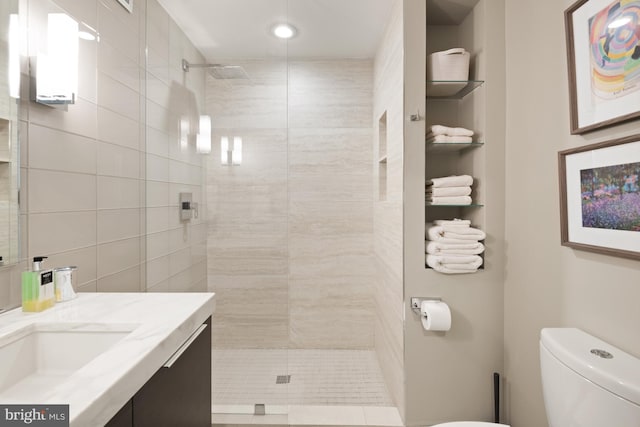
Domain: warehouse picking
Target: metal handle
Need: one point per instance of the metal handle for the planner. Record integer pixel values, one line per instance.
(169, 363)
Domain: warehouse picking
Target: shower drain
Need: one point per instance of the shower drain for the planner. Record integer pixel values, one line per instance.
(283, 379)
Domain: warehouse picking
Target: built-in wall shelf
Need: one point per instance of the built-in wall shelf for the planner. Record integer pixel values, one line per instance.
(448, 147)
(3, 160)
(451, 89)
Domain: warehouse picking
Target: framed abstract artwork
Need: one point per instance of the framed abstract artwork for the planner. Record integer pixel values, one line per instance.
(600, 197)
(603, 57)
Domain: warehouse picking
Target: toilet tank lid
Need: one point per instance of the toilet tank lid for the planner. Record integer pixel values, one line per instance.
(573, 347)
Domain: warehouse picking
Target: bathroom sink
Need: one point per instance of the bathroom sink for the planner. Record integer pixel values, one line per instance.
(37, 357)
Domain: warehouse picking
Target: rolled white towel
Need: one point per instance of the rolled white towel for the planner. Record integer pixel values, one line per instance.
(439, 139)
(439, 248)
(455, 200)
(455, 221)
(452, 131)
(454, 264)
(448, 191)
(451, 181)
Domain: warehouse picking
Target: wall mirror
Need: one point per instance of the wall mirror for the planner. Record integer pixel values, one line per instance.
(9, 147)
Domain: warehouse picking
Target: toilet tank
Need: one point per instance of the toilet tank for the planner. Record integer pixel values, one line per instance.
(587, 382)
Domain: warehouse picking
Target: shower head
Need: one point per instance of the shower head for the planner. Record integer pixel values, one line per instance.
(219, 71)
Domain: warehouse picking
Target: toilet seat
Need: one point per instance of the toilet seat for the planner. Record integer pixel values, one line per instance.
(469, 424)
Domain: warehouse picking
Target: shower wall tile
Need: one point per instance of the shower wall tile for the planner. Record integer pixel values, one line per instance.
(330, 164)
(87, 50)
(251, 311)
(298, 210)
(123, 281)
(56, 150)
(157, 244)
(51, 233)
(114, 160)
(84, 258)
(388, 214)
(118, 97)
(330, 94)
(117, 256)
(119, 28)
(61, 191)
(117, 129)
(117, 224)
(79, 118)
(119, 67)
(248, 104)
(118, 193)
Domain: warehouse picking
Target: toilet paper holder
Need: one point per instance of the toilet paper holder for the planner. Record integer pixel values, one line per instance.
(416, 302)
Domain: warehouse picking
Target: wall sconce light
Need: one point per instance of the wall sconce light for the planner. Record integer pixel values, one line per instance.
(57, 70)
(231, 155)
(236, 154)
(184, 133)
(203, 141)
(14, 56)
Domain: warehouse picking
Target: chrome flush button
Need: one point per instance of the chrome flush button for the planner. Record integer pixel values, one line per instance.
(602, 353)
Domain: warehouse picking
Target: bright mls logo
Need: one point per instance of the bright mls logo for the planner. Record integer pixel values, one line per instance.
(34, 415)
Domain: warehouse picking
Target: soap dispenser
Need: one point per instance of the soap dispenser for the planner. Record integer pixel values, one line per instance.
(38, 291)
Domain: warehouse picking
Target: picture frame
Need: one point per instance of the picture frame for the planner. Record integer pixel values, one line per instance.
(127, 4)
(600, 197)
(603, 60)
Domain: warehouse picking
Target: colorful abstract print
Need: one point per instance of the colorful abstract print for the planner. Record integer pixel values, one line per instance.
(611, 197)
(614, 37)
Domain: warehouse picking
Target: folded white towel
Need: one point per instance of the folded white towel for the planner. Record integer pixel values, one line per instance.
(455, 200)
(448, 191)
(452, 264)
(448, 138)
(462, 233)
(451, 181)
(455, 221)
(452, 131)
(455, 232)
(439, 248)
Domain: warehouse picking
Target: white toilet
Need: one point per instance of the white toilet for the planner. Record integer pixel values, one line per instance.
(585, 382)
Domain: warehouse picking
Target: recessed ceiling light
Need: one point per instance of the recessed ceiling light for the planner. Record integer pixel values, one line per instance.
(284, 31)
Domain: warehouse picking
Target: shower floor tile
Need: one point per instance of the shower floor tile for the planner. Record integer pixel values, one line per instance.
(318, 377)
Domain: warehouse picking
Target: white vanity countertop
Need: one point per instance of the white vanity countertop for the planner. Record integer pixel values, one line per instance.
(97, 391)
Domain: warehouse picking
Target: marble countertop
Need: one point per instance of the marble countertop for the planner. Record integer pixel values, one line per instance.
(159, 324)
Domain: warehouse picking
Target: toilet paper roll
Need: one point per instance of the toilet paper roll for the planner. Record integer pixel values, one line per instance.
(436, 316)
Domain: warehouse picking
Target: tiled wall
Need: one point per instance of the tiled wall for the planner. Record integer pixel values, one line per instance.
(291, 228)
(85, 167)
(388, 216)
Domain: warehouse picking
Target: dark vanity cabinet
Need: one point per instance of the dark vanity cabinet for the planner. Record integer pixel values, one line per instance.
(179, 393)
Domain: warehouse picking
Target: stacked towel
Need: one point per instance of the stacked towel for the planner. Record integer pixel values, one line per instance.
(442, 134)
(453, 246)
(449, 190)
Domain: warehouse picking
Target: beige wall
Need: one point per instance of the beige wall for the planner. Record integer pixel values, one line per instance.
(388, 223)
(546, 284)
(85, 168)
(449, 375)
(290, 229)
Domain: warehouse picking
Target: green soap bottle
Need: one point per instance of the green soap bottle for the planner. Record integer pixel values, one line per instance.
(38, 291)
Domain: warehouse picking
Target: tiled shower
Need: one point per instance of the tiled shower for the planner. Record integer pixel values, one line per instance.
(290, 236)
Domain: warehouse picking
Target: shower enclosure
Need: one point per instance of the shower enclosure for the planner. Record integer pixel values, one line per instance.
(290, 210)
